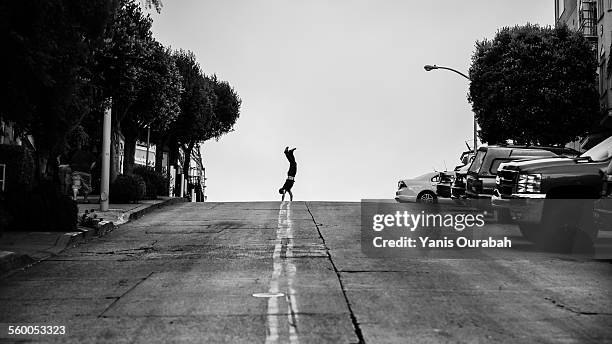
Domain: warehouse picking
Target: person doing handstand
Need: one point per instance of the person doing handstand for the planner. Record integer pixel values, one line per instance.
(290, 175)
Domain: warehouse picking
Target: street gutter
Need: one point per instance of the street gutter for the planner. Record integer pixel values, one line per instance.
(57, 242)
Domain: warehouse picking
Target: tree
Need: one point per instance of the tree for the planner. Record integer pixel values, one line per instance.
(156, 105)
(157, 4)
(209, 108)
(45, 88)
(140, 77)
(534, 85)
(196, 106)
(226, 109)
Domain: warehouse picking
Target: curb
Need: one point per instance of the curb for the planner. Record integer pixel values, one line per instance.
(10, 261)
(138, 213)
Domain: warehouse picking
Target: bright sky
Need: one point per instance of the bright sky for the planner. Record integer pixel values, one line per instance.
(341, 80)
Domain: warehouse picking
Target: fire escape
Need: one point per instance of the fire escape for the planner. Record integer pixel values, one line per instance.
(587, 25)
(587, 19)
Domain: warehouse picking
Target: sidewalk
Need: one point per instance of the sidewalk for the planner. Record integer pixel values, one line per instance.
(18, 249)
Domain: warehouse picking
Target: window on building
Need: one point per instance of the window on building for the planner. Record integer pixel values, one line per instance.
(609, 5)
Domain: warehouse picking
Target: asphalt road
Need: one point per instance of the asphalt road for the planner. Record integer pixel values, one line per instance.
(268, 272)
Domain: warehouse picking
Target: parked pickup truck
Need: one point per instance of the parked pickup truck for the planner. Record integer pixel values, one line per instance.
(550, 197)
(458, 185)
(481, 175)
(602, 213)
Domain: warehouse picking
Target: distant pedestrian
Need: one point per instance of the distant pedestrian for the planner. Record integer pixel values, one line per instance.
(81, 163)
(290, 175)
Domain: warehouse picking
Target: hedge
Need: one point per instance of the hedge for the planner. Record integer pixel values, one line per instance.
(127, 188)
(157, 184)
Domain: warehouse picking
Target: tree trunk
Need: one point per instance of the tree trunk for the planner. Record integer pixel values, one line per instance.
(173, 145)
(41, 166)
(187, 156)
(114, 155)
(115, 151)
(187, 161)
(129, 150)
(159, 154)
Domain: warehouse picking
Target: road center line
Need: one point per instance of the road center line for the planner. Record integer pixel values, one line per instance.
(283, 272)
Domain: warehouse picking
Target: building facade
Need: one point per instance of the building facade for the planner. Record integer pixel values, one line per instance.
(593, 18)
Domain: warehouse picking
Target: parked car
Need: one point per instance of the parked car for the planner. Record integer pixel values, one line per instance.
(458, 186)
(480, 180)
(465, 158)
(602, 213)
(540, 194)
(444, 181)
(421, 189)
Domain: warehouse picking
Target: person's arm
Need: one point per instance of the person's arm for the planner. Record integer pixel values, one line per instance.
(290, 195)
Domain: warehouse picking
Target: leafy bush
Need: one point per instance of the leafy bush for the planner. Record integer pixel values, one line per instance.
(157, 184)
(26, 207)
(45, 208)
(20, 168)
(127, 188)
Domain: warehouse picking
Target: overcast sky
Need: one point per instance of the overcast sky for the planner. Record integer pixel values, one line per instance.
(341, 80)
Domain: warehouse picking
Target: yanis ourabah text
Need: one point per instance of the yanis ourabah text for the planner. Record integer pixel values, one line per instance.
(426, 242)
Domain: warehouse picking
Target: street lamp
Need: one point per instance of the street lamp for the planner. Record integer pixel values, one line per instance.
(430, 68)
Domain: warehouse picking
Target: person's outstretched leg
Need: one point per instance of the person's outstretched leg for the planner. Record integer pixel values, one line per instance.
(292, 164)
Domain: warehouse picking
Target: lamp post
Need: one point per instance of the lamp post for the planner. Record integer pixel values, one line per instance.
(106, 147)
(430, 68)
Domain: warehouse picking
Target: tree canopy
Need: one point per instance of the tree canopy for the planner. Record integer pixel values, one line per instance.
(534, 85)
(197, 100)
(63, 60)
(45, 88)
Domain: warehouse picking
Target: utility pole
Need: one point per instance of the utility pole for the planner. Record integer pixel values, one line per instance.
(106, 145)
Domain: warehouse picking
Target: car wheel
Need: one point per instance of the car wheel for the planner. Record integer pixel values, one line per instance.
(503, 216)
(566, 226)
(427, 197)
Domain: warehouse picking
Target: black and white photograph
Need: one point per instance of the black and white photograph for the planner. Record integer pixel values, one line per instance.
(295, 172)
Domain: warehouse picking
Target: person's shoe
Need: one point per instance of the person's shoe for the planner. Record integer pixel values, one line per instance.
(286, 149)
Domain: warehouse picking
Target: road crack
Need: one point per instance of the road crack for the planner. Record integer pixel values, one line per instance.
(356, 326)
(122, 295)
(563, 306)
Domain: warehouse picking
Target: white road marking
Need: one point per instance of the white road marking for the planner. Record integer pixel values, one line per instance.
(284, 232)
(292, 310)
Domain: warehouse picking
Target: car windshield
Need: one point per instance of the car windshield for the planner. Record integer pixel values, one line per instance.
(603, 151)
(477, 161)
